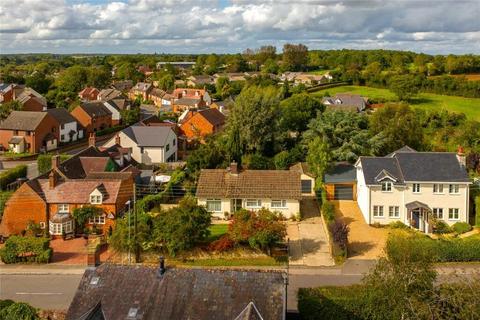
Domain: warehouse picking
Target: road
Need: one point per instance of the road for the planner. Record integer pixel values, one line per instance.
(49, 291)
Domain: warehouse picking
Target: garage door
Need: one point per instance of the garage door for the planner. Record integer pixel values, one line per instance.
(343, 192)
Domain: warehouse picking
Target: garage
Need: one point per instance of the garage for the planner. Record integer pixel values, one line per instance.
(340, 182)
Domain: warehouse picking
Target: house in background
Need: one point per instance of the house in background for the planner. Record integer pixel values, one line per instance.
(178, 293)
(29, 99)
(89, 94)
(141, 89)
(68, 127)
(148, 144)
(197, 124)
(156, 96)
(29, 131)
(413, 187)
(116, 106)
(109, 94)
(200, 80)
(225, 191)
(186, 104)
(93, 116)
(176, 64)
(194, 94)
(347, 102)
(6, 92)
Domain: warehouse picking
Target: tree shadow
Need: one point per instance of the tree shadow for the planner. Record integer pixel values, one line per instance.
(357, 248)
(418, 100)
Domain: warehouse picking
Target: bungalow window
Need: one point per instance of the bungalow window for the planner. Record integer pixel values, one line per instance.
(453, 214)
(279, 204)
(253, 203)
(214, 205)
(394, 212)
(454, 189)
(438, 213)
(97, 220)
(378, 211)
(416, 188)
(95, 199)
(63, 208)
(387, 186)
(438, 188)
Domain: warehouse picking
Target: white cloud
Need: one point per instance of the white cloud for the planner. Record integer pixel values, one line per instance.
(194, 26)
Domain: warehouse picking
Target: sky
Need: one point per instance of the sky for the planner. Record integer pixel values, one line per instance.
(230, 26)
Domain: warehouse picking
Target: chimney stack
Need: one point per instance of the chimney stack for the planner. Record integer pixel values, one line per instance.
(117, 139)
(92, 140)
(234, 167)
(461, 156)
(52, 179)
(55, 161)
(161, 268)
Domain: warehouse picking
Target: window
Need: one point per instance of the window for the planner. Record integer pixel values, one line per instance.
(63, 208)
(174, 142)
(306, 186)
(142, 150)
(97, 220)
(454, 189)
(279, 204)
(438, 188)
(62, 137)
(60, 228)
(453, 214)
(438, 213)
(387, 186)
(394, 212)
(62, 126)
(167, 147)
(378, 211)
(253, 203)
(95, 199)
(214, 205)
(416, 188)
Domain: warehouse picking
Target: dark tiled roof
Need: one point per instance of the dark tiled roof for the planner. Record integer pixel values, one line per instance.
(213, 116)
(61, 115)
(148, 136)
(193, 294)
(341, 172)
(95, 109)
(272, 184)
(407, 165)
(108, 94)
(23, 120)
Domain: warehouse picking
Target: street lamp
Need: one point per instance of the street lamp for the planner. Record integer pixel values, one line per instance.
(129, 254)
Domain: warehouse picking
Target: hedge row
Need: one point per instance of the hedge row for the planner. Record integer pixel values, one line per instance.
(26, 249)
(439, 250)
(108, 130)
(12, 175)
(477, 211)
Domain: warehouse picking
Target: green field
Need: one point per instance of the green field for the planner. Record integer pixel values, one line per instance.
(469, 106)
(319, 72)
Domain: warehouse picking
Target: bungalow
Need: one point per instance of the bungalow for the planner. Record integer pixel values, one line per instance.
(148, 144)
(414, 188)
(89, 94)
(29, 131)
(93, 116)
(199, 124)
(178, 293)
(225, 191)
(200, 80)
(68, 127)
(141, 89)
(346, 101)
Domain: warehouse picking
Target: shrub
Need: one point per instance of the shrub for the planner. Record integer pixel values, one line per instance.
(83, 214)
(477, 211)
(398, 225)
(256, 161)
(108, 130)
(328, 211)
(5, 303)
(26, 249)
(19, 311)
(461, 227)
(44, 162)
(441, 227)
(222, 244)
(339, 232)
(12, 175)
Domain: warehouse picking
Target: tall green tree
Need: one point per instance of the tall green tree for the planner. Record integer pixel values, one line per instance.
(404, 86)
(295, 57)
(319, 158)
(297, 111)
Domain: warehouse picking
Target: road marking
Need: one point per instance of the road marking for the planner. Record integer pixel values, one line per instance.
(39, 293)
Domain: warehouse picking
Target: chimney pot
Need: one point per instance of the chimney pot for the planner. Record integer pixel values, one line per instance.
(234, 167)
(52, 180)
(55, 161)
(461, 156)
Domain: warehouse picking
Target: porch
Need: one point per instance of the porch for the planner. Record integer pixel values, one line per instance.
(419, 216)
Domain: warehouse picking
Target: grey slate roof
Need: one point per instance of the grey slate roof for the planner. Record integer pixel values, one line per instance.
(148, 136)
(95, 109)
(194, 294)
(23, 120)
(341, 172)
(61, 115)
(410, 166)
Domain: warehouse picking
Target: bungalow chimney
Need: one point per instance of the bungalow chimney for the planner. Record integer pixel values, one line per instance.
(92, 140)
(234, 167)
(461, 156)
(52, 179)
(55, 161)
(117, 139)
(161, 268)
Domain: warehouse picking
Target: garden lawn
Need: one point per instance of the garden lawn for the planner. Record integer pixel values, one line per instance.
(319, 72)
(217, 231)
(429, 101)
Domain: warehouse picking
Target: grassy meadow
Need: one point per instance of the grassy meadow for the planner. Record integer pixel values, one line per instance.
(469, 106)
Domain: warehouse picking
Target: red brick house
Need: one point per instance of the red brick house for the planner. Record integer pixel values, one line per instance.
(30, 99)
(142, 89)
(29, 131)
(89, 94)
(93, 116)
(199, 124)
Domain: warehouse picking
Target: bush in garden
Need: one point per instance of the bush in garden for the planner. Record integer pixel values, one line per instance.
(44, 162)
(12, 175)
(26, 249)
(328, 211)
(398, 225)
(339, 232)
(461, 227)
(19, 311)
(440, 227)
(222, 244)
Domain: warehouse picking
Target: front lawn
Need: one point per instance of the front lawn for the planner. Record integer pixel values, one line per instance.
(429, 101)
(217, 231)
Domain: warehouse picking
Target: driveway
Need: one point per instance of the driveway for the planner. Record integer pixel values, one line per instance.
(72, 252)
(365, 242)
(308, 241)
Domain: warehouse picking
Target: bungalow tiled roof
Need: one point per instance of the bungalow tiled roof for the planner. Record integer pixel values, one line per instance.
(271, 184)
(139, 292)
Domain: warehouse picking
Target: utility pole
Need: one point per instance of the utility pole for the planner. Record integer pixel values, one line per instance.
(135, 244)
(129, 214)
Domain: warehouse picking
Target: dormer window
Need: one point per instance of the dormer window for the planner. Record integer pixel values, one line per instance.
(95, 199)
(386, 186)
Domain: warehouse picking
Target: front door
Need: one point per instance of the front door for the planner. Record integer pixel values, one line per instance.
(236, 204)
(416, 218)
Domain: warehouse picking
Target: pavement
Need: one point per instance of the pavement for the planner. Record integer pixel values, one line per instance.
(364, 241)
